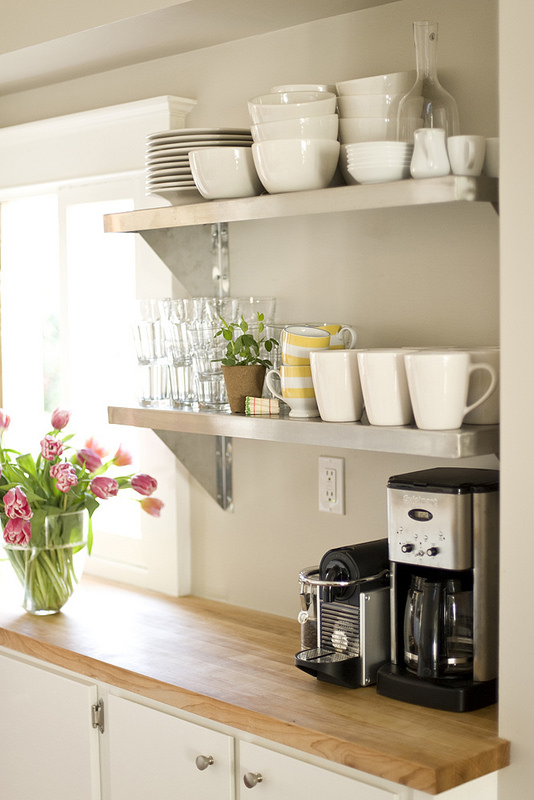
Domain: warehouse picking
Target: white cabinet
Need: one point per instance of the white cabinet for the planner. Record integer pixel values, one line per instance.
(156, 755)
(266, 775)
(48, 747)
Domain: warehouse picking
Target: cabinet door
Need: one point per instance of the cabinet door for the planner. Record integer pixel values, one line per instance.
(286, 778)
(48, 747)
(154, 755)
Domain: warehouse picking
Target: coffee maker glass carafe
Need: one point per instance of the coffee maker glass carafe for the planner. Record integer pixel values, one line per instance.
(438, 627)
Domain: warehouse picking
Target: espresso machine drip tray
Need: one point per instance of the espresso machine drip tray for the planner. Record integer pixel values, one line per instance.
(330, 666)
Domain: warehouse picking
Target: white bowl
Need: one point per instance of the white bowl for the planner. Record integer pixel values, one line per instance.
(377, 105)
(379, 173)
(304, 87)
(325, 127)
(378, 148)
(377, 161)
(221, 172)
(293, 165)
(361, 152)
(385, 144)
(367, 129)
(344, 165)
(372, 129)
(291, 105)
(378, 84)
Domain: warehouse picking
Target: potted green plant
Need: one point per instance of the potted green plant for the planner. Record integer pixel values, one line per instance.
(243, 365)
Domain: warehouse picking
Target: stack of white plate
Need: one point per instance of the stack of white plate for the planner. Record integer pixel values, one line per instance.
(377, 162)
(167, 156)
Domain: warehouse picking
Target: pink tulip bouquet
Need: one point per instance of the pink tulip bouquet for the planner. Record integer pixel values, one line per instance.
(46, 505)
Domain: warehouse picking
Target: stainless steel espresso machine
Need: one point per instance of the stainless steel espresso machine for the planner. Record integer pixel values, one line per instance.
(444, 560)
(345, 615)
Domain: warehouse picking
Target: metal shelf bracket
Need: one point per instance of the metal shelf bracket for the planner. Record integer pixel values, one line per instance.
(208, 459)
(221, 260)
(197, 255)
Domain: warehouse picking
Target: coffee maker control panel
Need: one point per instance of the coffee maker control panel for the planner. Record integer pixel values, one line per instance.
(431, 529)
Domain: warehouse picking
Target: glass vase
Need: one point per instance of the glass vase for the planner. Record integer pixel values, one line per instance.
(50, 566)
(427, 104)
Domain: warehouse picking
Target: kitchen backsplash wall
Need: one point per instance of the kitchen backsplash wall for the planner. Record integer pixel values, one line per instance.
(402, 276)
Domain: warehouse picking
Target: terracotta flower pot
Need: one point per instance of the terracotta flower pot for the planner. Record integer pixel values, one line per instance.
(241, 382)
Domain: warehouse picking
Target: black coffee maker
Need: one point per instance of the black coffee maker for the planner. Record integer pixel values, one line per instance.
(443, 549)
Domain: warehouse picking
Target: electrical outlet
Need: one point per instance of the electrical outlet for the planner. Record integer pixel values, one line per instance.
(332, 485)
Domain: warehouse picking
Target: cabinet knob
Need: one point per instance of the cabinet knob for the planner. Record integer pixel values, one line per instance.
(250, 779)
(203, 762)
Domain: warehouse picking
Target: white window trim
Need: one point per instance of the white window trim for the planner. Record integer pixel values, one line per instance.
(90, 146)
(104, 141)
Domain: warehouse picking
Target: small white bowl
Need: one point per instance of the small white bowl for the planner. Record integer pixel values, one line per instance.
(291, 105)
(344, 165)
(221, 172)
(367, 129)
(372, 129)
(374, 161)
(325, 127)
(378, 84)
(294, 165)
(379, 173)
(303, 87)
(377, 105)
(369, 151)
(378, 148)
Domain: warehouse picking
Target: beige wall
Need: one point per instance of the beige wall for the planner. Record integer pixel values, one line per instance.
(32, 21)
(517, 292)
(404, 276)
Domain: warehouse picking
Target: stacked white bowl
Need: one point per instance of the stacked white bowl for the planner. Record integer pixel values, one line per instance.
(378, 162)
(294, 130)
(367, 109)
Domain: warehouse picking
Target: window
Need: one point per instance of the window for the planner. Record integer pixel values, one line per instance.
(67, 292)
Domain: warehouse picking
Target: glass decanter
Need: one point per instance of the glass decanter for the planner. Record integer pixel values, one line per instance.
(427, 104)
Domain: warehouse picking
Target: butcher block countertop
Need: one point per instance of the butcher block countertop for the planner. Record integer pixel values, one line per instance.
(235, 666)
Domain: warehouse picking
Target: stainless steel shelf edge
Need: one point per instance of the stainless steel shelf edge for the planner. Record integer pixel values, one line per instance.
(471, 440)
(409, 192)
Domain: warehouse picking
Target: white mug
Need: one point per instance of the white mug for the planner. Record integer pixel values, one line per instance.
(297, 389)
(488, 412)
(384, 386)
(439, 384)
(466, 154)
(429, 159)
(336, 380)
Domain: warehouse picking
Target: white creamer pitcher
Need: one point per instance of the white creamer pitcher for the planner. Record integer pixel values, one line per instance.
(430, 158)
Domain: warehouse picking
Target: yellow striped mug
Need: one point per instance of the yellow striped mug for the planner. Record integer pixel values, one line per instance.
(297, 342)
(297, 389)
(342, 337)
